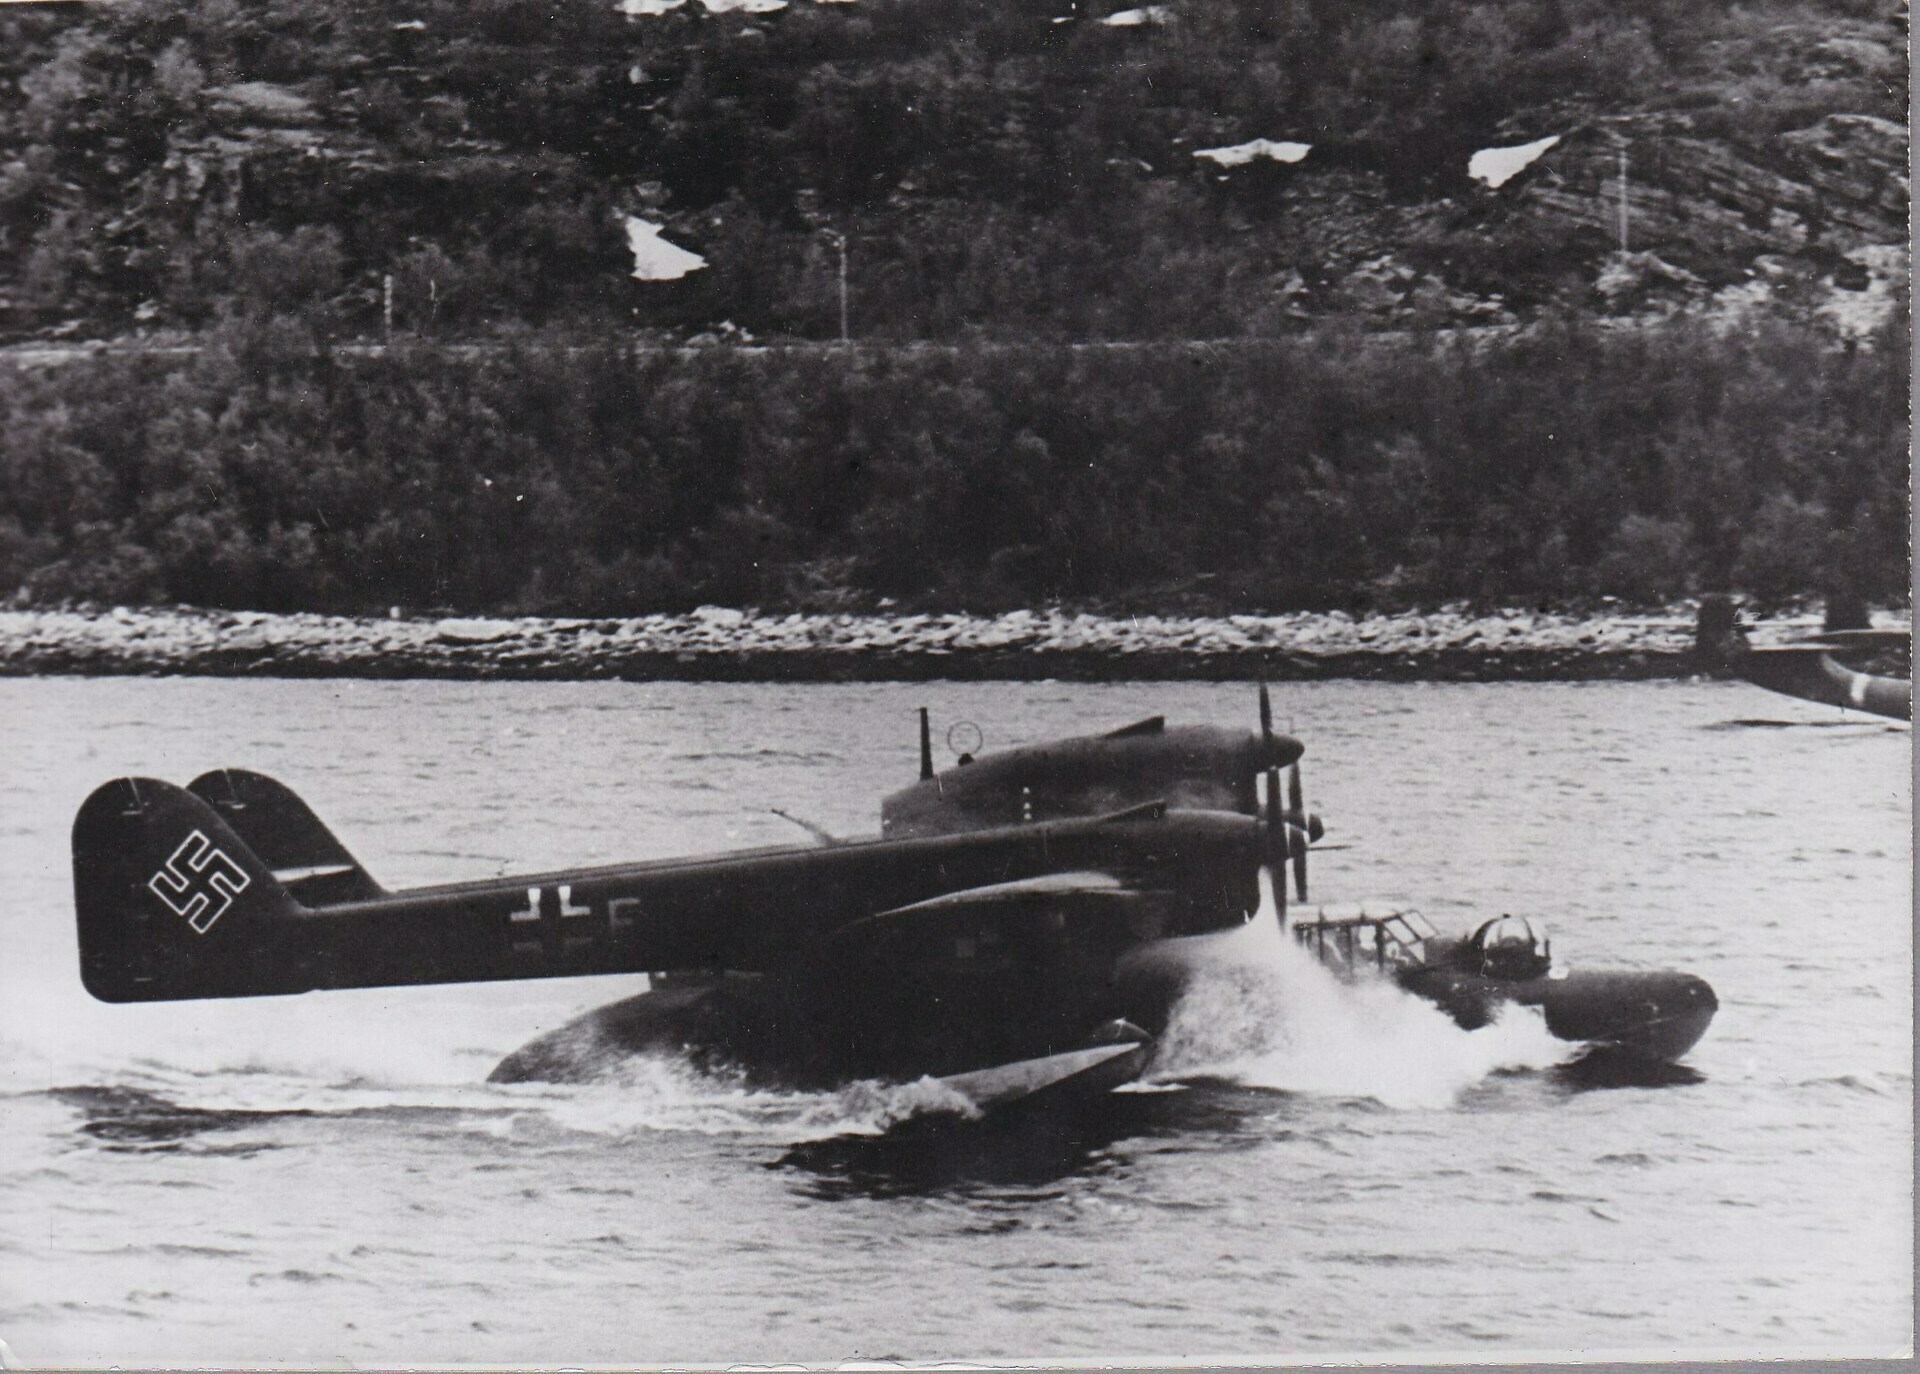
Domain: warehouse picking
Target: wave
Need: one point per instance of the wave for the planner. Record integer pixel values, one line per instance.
(432, 1040)
(643, 1094)
(1268, 1014)
(1873, 1084)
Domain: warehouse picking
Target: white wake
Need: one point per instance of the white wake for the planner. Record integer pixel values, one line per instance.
(1267, 1013)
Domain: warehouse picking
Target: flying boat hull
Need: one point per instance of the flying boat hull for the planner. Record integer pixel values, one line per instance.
(1656, 1015)
(1813, 674)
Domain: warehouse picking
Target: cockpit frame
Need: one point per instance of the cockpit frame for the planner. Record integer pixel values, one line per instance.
(1387, 941)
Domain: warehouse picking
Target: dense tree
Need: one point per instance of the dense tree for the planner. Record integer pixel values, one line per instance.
(273, 471)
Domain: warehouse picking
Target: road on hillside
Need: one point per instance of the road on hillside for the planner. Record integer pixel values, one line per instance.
(24, 355)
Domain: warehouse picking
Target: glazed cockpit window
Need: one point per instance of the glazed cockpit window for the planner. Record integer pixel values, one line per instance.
(1512, 947)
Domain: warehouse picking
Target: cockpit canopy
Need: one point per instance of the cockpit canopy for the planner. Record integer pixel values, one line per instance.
(1347, 937)
(1512, 947)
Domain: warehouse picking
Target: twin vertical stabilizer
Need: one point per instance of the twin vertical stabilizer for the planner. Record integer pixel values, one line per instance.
(171, 902)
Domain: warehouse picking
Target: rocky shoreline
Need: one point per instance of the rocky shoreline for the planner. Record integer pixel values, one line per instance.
(720, 644)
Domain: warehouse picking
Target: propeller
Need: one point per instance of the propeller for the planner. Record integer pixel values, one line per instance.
(1289, 832)
(1275, 838)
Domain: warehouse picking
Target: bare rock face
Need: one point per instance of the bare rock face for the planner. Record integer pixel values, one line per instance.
(1379, 285)
(1806, 220)
(1811, 216)
(1711, 208)
(1634, 282)
(1857, 165)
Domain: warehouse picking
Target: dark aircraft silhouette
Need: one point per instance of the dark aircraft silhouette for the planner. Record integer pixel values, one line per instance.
(1021, 929)
(1860, 668)
(1811, 668)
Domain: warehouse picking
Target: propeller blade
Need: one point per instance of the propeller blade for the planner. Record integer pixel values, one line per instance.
(1266, 716)
(1274, 845)
(1274, 892)
(1297, 803)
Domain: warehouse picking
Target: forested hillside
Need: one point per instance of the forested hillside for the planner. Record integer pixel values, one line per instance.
(1347, 470)
(1088, 365)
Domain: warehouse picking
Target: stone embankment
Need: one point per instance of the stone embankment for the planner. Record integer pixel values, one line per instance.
(715, 643)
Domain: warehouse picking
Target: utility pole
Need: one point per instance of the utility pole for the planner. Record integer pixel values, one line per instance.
(840, 243)
(1623, 197)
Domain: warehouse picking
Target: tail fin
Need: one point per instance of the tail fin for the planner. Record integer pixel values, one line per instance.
(171, 902)
(303, 854)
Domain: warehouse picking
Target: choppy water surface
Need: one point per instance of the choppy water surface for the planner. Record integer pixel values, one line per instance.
(1322, 1169)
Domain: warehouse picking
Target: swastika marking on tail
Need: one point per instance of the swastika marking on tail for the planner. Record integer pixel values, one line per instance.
(199, 882)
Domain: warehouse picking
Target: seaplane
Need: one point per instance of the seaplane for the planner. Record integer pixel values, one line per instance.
(1020, 930)
(1817, 668)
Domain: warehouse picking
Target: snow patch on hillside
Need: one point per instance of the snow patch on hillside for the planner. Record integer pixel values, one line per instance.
(1133, 19)
(654, 259)
(1497, 166)
(1239, 154)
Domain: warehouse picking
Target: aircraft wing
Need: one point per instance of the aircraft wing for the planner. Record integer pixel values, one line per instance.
(1051, 899)
(1091, 1070)
(1887, 638)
